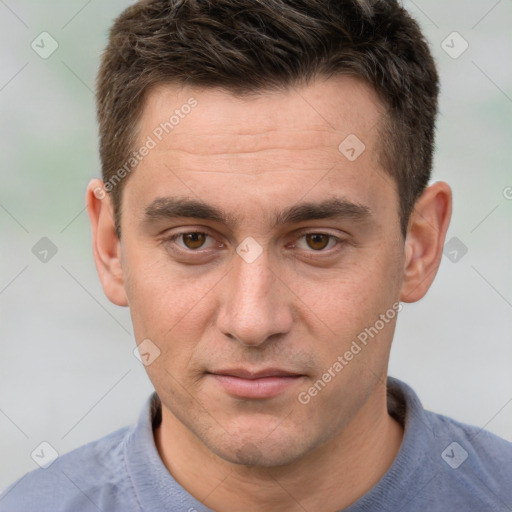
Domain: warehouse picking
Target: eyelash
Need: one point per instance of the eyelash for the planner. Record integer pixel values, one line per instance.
(172, 239)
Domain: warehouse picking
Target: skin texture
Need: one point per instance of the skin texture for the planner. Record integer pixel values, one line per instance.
(293, 307)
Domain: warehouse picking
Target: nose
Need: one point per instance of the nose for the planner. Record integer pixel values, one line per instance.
(256, 305)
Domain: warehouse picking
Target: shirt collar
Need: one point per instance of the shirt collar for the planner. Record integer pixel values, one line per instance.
(156, 489)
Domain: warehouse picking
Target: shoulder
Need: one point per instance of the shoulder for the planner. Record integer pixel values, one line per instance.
(81, 480)
(485, 447)
(469, 467)
(481, 446)
(476, 460)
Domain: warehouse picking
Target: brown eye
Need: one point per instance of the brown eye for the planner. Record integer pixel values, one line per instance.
(194, 240)
(317, 241)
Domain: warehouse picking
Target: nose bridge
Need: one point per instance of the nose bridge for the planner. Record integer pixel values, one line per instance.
(252, 281)
(254, 307)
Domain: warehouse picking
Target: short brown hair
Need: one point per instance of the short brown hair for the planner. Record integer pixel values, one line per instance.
(251, 46)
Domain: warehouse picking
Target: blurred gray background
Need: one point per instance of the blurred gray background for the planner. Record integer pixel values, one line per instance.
(67, 370)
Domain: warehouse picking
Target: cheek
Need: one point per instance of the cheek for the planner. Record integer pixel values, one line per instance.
(166, 301)
(346, 305)
(350, 294)
(172, 311)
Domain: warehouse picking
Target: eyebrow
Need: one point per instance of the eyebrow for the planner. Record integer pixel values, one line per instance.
(165, 208)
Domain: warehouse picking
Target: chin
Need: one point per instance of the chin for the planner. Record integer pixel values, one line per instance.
(256, 452)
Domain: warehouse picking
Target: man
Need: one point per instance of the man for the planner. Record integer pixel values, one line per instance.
(263, 212)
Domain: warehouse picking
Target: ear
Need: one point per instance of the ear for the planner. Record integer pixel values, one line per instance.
(425, 240)
(106, 244)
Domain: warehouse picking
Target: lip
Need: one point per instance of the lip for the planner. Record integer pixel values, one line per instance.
(261, 384)
(243, 373)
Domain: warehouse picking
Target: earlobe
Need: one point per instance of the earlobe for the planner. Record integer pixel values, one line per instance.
(106, 244)
(425, 240)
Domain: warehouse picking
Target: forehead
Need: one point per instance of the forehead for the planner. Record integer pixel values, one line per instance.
(319, 113)
(281, 145)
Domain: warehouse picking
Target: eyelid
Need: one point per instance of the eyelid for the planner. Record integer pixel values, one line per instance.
(172, 238)
(302, 234)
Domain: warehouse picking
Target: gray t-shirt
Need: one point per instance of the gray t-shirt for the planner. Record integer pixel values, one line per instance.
(442, 465)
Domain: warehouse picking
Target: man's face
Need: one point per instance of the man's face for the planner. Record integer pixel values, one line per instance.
(268, 285)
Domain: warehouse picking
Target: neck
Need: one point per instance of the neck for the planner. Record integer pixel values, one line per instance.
(331, 477)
